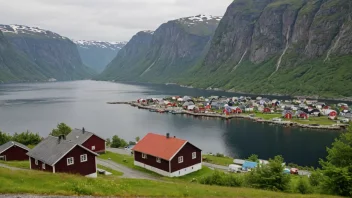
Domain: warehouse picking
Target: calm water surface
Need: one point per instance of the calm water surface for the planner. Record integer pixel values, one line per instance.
(39, 107)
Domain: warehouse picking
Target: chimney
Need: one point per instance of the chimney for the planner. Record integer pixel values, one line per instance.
(83, 130)
(61, 137)
(167, 135)
(174, 136)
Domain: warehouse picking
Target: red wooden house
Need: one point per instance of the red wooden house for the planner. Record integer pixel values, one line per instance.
(266, 110)
(88, 140)
(13, 151)
(332, 115)
(288, 116)
(168, 156)
(58, 155)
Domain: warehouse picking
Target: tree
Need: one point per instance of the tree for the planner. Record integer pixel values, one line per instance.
(27, 138)
(4, 138)
(131, 143)
(337, 168)
(61, 129)
(118, 142)
(108, 142)
(137, 139)
(253, 158)
(270, 176)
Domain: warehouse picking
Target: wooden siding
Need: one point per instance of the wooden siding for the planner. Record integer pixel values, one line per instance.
(97, 142)
(82, 168)
(39, 167)
(15, 153)
(186, 152)
(151, 161)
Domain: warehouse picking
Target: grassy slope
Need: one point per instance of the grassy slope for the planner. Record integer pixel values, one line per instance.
(224, 161)
(114, 172)
(31, 182)
(17, 164)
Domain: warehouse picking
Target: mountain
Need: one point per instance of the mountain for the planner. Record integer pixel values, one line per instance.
(293, 47)
(16, 67)
(55, 56)
(98, 54)
(163, 55)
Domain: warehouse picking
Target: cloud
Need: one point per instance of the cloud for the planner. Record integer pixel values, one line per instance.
(108, 20)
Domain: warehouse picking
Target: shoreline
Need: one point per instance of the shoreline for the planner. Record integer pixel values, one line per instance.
(240, 116)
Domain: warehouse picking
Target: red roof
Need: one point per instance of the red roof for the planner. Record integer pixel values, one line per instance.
(159, 146)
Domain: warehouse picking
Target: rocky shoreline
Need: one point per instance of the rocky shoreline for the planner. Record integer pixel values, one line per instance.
(240, 116)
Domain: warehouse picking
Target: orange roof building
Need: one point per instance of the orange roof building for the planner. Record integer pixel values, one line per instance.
(168, 156)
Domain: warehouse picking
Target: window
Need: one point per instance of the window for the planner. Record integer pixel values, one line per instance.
(70, 161)
(43, 166)
(36, 162)
(84, 158)
(194, 155)
(93, 148)
(158, 160)
(180, 159)
(144, 156)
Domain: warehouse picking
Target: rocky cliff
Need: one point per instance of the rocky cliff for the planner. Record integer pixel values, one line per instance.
(281, 46)
(56, 56)
(166, 54)
(16, 67)
(98, 54)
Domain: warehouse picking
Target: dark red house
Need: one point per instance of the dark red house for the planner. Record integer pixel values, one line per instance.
(58, 155)
(87, 139)
(168, 156)
(266, 110)
(13, 151)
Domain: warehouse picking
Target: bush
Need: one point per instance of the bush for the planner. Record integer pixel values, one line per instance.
(220, 155)
(27, 138)
(270, 177)
(222, 179)
(303, 186)
(316, 178)
(4, 138)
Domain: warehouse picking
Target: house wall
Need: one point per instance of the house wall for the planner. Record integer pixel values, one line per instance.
(39, 166)
(82, 168)
(15, 153)
(151, 161)
(97, 142)
(186, 170)
(186, 152)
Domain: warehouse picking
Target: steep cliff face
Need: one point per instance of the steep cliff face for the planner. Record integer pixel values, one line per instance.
(174, 48)
(123, 66)
(16, 67)
(98, 54)
(56, 56)
(281, 46)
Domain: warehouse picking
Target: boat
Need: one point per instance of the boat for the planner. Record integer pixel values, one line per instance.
(152, 110)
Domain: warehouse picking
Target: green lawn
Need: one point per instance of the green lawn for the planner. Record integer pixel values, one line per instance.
(224, 161)
(114, 172)
(35, 182)
(17, 164)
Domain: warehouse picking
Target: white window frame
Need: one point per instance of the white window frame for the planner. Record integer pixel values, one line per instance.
(180, 159)
(43, 166)
(84, 158)
(144, 156)
(158, 160)
(69, 159)
(36, 162)
(93, 148)
(194, 155)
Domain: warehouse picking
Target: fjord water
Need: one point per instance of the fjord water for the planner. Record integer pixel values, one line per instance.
(39, 107)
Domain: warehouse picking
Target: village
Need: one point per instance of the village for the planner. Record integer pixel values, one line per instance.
(298, 112)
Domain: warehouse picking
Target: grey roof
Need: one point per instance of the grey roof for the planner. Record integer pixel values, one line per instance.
(77, 136)
(238, 161)
(50, 150)
(9, 144)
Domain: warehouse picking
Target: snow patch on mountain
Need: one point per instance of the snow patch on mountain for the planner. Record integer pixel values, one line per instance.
(22, 29)
(100, 44)
(200, 18)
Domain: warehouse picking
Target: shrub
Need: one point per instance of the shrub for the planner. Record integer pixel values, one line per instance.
(4, 138)
(303, 186)
(222, 179)
(316, 178)
(27, 138)
(220, 155)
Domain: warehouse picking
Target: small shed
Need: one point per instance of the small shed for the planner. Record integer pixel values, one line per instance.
(13, 151)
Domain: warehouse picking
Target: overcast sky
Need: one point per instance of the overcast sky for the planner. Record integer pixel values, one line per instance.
(106, 20)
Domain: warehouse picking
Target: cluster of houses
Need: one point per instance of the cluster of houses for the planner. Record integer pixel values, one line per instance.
(76, 153)
(297, 108)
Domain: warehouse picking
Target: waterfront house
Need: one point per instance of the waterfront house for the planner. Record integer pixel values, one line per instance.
(13, 151)
(167, 156)
(58, 155)
(266, 110)
(87, 139)
(301, 114)
(288, 114)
